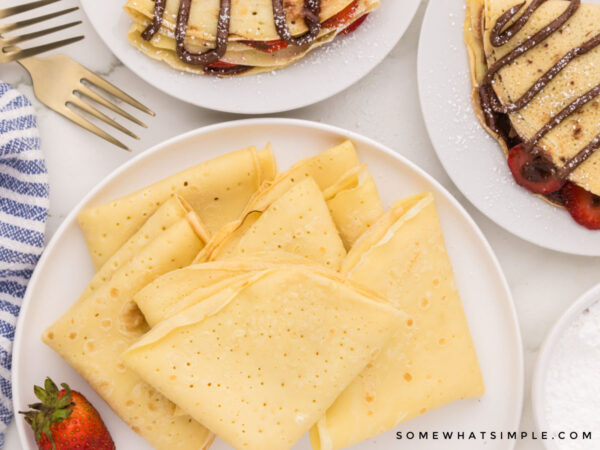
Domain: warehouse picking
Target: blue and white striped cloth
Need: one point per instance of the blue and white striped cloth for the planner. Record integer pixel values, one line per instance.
(23, 211)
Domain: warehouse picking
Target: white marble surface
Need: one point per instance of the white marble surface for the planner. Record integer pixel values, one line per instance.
(383, 106)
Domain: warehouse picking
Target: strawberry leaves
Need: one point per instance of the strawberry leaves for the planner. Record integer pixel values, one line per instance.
(53, 407)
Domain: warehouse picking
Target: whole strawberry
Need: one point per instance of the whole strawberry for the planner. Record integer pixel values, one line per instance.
(65, 420)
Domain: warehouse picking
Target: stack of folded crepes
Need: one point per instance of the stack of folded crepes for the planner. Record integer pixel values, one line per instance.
(536, 90)
(294, 304)
(226, 38)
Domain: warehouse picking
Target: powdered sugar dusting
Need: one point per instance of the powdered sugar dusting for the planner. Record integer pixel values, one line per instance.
(572, 391)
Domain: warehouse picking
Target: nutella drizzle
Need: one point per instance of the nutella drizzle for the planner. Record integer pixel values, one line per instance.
(159, 12)
(310, 11)
(495, 112)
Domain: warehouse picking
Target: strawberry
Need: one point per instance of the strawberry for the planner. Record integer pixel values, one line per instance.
(583, 206)
(344, 17)
(354, 25)
(221, 65)
(65, 420)
(267, 46)
(534, 170)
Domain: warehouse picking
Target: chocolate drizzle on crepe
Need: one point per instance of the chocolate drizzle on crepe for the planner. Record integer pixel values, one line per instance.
(310, 12)
(496, 114)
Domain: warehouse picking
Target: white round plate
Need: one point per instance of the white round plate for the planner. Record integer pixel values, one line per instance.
(538, 391)
(323, 73)
(472, 158)
(65, 269)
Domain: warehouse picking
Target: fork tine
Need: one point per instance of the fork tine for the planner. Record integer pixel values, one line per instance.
(84, 123)
(26, 53)
(92, 95)
(25, 23)
(82, 104)
(113, 90)
(26, 37)
(22, 8)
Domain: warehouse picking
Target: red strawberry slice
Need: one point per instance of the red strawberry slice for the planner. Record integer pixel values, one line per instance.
(583, 206)
(534, 170)
(221, 65)
(357, 23)
(344, 17)
(267, 46)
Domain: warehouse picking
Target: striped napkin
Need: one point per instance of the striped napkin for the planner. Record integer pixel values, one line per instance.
(23, 211)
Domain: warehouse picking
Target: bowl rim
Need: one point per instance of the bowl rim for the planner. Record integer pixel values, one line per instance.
(587, 299)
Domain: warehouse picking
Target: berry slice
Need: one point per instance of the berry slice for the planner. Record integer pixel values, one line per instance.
(357, 23)
(344, 17)
(221, 65)
(583, 206)
(534, 170)
(267, 46)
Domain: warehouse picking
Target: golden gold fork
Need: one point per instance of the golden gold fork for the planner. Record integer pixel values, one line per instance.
(8, 51)
(64, 85)
(61, 83)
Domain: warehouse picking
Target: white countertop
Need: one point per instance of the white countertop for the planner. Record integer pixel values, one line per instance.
(383, 106)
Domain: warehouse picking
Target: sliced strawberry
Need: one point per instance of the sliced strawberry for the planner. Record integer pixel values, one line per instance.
(221, 65)
(267, 46)
(222, 68)
(357, 23)
(344, 17)
(583, 206)
(534, 170)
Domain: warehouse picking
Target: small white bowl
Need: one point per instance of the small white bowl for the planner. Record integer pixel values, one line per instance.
(539, 377)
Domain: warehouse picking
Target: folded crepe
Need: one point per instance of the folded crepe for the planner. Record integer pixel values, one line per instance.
(430, 360)
(260, 364)
(326, 169)
(162, 48)
(354, 204)
(298, 222)
(169, 213)
(296, 229)
(105, 321)
(253, 43)
(180, 289)
(528, 71)
(217, 190)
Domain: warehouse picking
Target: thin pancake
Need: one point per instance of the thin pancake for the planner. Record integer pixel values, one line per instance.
(325, 168)
(295, 338)
(218, 190)
(180, 289)
(580, 75)
(94, 332)
(163, 48)
(430, 360)
(298, 222)
(354, 204)
(168, 214)
(250, 19)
